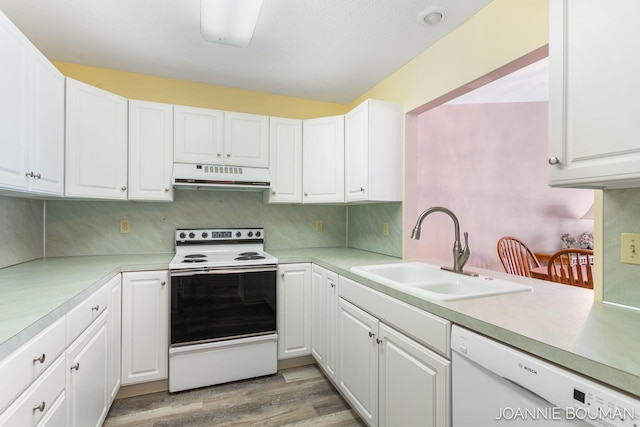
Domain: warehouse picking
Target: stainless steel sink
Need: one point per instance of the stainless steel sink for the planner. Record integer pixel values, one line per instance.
(430, 282)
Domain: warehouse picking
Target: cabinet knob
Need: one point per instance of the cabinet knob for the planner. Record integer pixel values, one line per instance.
(39, 407)
(378, 341)
(28, 174)
(75, 366)
(95, 307)
(333, 285)
(166, 190)
(218, 154)
(163, 283)
(371, 334)
(37, 176)
(282, 276)
(306, 194)
(40, 358)
(554, 160)
(123, 188)
(228, 155)
(273, 192)
(362, 189)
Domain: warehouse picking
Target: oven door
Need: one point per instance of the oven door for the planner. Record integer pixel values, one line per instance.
(222, 304)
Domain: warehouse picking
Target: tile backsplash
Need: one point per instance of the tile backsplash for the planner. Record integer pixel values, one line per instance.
(21, 230)
(621, 283)
(92, 227)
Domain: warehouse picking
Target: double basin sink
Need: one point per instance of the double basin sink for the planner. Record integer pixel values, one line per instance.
(431, 282)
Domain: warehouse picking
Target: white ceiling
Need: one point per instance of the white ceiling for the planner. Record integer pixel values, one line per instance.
(326, 50)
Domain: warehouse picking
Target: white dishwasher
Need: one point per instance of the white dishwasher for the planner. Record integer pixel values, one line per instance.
(493, 384)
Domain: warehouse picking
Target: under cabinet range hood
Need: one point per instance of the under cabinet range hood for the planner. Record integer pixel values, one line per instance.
(216, 177)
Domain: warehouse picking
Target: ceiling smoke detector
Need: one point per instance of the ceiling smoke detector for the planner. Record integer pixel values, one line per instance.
(431, 16)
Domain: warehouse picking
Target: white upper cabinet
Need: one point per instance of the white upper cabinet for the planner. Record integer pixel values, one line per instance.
(594, 91)
(150, 151)
(323, 160)
(31, 116)
(96, 143)
(198, 135)
(246, 139)
(285, 161)
(219, 137)
(373, 152)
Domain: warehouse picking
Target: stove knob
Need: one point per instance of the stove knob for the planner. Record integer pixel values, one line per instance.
(258, 234)
(183, 235)
(192, 235)
(238, 234)
(250, 234)
(204, 234)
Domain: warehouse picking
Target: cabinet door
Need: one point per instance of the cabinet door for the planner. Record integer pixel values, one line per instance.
(150, 151)
(358, 360)
(594, 87)
(14, 105)
(324, 318)
(413, 389)
(87, 376)
(373, 152)
(285, 161)
(294, 318)
(323, 160)
(96, 143)
(46, 155)
(115, 335)
(198, 135)
(145, 323)
(246, 139)
(356, 156)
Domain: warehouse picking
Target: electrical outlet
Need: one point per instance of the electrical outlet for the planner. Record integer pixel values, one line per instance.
(319, 226)
(385, 228)
(125, 226)
(630, 248)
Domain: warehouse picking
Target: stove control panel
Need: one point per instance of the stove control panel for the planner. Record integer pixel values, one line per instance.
(203, 235)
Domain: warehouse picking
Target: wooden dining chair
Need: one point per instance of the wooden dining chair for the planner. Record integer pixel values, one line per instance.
(516, 257)
(572, 267)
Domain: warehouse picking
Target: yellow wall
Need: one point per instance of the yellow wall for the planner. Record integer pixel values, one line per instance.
(500, 33)
(179, 92)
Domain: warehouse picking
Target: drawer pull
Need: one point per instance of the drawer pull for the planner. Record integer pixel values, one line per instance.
(75, 366)
(39, 358)
(39, 407)
(95, 307)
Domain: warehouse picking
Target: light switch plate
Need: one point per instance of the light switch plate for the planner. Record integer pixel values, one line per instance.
(630, 248)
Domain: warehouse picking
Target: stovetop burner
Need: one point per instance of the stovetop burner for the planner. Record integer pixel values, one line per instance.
(248, 257)
(193, 260)
(195, 256)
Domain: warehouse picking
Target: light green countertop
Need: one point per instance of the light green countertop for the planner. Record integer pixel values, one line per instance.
(559, 323)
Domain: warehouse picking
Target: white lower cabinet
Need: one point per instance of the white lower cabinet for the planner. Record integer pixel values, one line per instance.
(87, 375)
(294, 305)
(324, 317)
(389, 377)
(145, 323)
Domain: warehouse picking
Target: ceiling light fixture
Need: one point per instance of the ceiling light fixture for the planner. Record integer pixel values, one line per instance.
(230, 22)
(431, 16)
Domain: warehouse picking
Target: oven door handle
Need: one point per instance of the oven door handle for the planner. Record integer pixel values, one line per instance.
(224, 270)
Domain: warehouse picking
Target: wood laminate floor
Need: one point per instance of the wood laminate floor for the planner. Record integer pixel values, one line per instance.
(299, 396)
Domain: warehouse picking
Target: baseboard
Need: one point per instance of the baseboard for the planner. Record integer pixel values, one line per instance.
(144, 388)
(295, 362)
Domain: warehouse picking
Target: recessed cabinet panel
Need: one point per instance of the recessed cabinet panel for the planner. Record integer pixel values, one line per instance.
(294, 305)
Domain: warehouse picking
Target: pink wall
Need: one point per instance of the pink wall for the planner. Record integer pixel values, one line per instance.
(488, 164)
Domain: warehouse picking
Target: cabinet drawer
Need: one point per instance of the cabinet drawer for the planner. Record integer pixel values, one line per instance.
(38, 399)
(24, 365)
(81, 316)
(426, 328)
